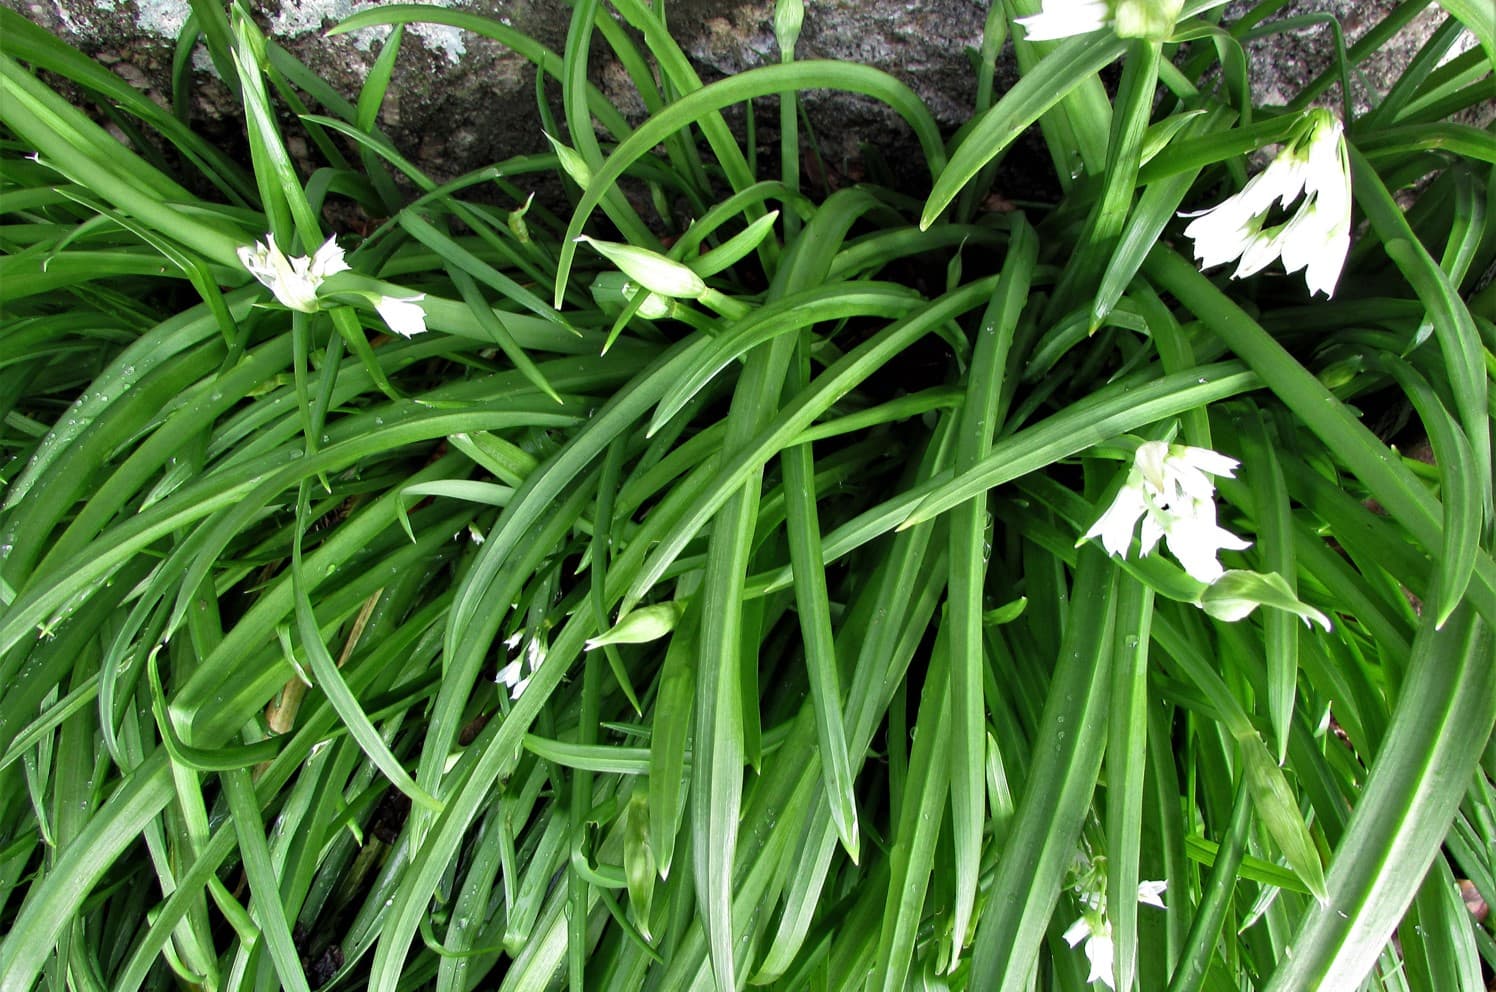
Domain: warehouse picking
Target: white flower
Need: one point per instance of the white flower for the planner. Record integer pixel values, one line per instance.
(1063, 18)
(1093, 926)
(403, 314)
(1312, 169)
(1169, 489)
(1151, 893)
(513, 674)
(1096, 931)
(1152, 19)
(294, 281)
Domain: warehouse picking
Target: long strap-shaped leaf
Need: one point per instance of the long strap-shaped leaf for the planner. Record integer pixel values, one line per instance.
(968, 574)
(1062, 779)
(1439, 730)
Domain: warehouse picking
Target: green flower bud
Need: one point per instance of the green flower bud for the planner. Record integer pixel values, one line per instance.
(1237, 593)
(1150, 19)
(639, 861)
(572, 162)
(517, 225)
(651, 270)
(641, 626)
(788, 16)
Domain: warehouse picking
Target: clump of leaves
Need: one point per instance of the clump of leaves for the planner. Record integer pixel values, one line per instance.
(514, 600)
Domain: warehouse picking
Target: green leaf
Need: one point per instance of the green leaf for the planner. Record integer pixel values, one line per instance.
(1056, 75)
(1417, 780)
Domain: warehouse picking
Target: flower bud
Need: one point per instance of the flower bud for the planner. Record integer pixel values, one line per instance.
(572, 162)
(651, 270)
(647, 624)
(1150, 19)
(1237, 593)
(788, 16)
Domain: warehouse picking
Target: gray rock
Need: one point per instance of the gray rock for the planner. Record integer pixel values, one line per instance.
(459, 101)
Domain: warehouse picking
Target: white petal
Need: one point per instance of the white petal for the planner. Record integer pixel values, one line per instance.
(1077, 932)
(1150, 462)
(1205, 460)
(328, 260)
(1283, 180)
(1260, 252)
(1196, 543)
(1222, 234)
(1064, 18)
(1324, 171)
(1304, 236)
(1116, 525)
(509, 675)
(1099, 952)
(1153, 529)
(1323, 271)
(1151, 893)
(404, 315)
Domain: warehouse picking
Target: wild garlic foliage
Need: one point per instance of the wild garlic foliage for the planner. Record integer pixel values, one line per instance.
(652, 562)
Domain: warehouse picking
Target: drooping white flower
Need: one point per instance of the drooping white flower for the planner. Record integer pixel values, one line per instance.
(403, 314)
(1094, 926)
(294, 281)
(1313, 170)
(1152, 19)
(1063, 18)
(514, 674)
(1169, 489)
(1152, 893)
(1096, 931)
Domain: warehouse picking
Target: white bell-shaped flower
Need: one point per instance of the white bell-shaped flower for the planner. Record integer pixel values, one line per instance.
(1094, 926)
(403, 314)
(1063, 18)
(1151, 19)
(294, 281)
(1313, 171)
(1169, 489)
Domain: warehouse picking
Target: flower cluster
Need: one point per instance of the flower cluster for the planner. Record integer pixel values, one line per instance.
(1170, 490)
(1093, 926)
(295, 282)
(1312, 169)
(513, 674)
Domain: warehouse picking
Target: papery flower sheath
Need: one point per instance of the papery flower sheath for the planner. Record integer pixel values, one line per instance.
(294, 281)
(1169, 489)
(1312, 170)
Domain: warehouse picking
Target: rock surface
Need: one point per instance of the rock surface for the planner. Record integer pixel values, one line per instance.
(459, 101)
